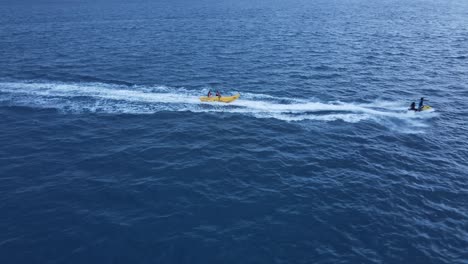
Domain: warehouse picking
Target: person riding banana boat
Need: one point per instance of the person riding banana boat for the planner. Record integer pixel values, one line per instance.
(218, 97)
(218, 94)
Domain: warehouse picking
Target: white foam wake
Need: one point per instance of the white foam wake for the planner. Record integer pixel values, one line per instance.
(107, 98)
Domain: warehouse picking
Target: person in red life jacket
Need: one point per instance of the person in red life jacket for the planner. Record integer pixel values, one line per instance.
(218, 94)
(209, 93)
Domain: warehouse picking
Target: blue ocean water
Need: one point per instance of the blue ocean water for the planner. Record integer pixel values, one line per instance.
(107, 155)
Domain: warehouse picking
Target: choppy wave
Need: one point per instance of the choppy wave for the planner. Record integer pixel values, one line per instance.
(111, 98)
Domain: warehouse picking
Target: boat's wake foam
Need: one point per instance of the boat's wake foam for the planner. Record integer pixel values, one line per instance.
(109, 98)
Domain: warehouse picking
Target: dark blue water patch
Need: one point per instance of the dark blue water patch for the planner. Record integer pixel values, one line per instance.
(96, 166)
(113, 169)
(461, 57)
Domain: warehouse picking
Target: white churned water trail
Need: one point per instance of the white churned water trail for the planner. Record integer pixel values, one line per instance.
(109, 98)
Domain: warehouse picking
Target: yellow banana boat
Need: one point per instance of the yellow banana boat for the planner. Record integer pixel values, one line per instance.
(223, 99)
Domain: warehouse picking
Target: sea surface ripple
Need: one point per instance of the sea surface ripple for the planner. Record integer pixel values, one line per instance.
(107, 154)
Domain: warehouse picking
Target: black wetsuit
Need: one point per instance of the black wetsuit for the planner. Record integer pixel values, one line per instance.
(413, 106)
(421, 104)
